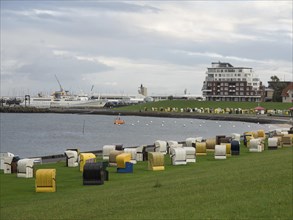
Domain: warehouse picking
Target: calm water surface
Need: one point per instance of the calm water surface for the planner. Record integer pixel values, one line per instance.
(30, 135)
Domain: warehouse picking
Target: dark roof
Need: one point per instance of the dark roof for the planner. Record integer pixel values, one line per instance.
(223, 64)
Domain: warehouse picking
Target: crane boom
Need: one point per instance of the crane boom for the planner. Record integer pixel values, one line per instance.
(61, 89)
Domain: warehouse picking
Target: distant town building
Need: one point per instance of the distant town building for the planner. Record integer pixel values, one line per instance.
(268, 96)
(287, 93)
(143, 90)
(225, 82)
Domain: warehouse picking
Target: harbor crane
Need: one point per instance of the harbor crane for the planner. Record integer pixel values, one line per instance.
(61, 89)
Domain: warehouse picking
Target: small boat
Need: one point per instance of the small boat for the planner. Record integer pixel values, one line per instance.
(119, 121)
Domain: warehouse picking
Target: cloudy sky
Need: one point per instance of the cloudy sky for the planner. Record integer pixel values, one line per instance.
(118, 45)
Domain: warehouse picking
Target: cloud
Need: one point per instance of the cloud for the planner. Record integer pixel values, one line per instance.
(116, 46)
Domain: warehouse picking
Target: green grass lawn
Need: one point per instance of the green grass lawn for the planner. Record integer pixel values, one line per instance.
(249, 186)
(207, 104)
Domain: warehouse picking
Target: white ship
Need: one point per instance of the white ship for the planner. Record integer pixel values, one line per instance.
(63, 99)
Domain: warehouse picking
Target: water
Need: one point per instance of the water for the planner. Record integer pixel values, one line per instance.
(29, 135)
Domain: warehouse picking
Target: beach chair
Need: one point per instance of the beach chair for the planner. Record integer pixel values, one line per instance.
(106, 151)
(45, 180)
(201, 149)
(247, 137)
(95, 173)
(112, 157)
(190, 154)
(7, 161)
(71, 158)
(173, 144)
(261, 134)
(139, 153)
(146, 150)
(133, 153)
(190, 141)
(86, 158)
(218, 137)
(156, 161)
(235, 147)
(236, 136)
(220, 152)
(287, 140)
(2, 156)
(256, 145)
(25, 168)
(210, 144)
(123, 163)
(228, 149)
(178, 156)
(273, 143)
(161, 146)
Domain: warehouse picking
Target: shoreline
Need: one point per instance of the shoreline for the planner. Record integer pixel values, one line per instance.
(262, 119)
(281, 122)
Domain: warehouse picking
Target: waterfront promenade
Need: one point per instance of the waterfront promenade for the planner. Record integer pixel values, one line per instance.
(253, 118)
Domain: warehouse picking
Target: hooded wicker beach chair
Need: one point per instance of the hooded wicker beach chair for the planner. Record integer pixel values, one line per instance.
(7, 164)
(256, 145)
(86, 158)
(10, 164)
(94, 174)
(25, 168)
(247, 137)
(161, 146)
(146, 150)
(228, 149)
(71, 158)
(236, 136)
(218, 137)
(139, 153)
(45, 180)
(2, 156)
(220, 152)
(112, 157)
(261, 134)
(173, 144)
(133, 152)
(178, 156)
(190, 141)
(201, 149)
(156, 161)
(273, 143)
(106, 151)
(123, 163)
(287, 140)
(235, 147)
(190, 154)
(210, 144)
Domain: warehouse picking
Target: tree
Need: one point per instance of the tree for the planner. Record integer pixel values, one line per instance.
(278, 87)
(275, 78)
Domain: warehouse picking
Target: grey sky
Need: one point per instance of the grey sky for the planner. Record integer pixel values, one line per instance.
(116, 46)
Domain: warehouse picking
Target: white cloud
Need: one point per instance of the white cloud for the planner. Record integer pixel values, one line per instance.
(166, 46)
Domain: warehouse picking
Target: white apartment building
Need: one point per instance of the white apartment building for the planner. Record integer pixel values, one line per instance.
(225, 82)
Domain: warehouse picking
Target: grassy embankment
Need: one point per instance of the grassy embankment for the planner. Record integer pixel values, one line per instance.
(249, 186)
(207, 104)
